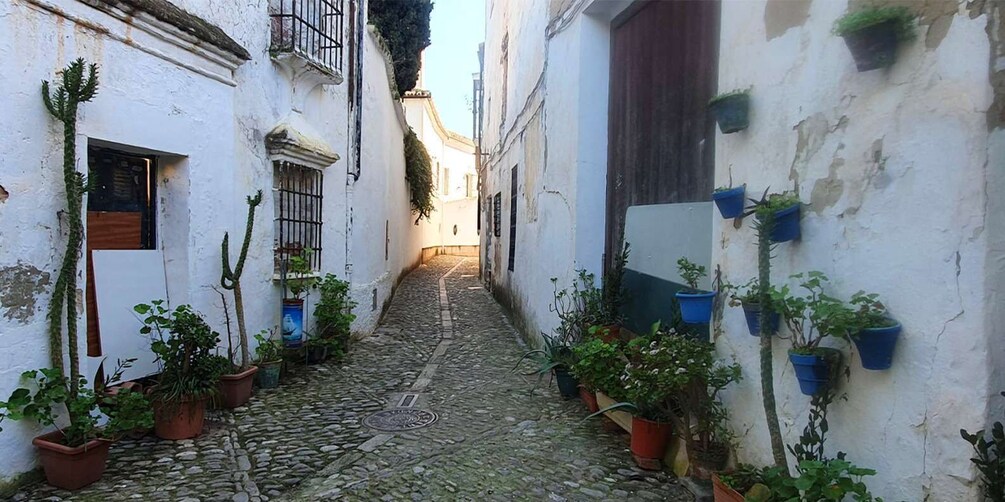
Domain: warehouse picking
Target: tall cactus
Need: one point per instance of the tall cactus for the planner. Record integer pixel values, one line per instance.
(765, 221)
(62, 103)
(231, 279)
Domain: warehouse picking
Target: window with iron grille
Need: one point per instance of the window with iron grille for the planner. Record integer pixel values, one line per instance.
(497, 215)
(298, 196)
(312, 29)
(512, 219)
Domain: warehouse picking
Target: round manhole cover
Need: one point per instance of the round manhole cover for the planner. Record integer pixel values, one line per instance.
(400, 419)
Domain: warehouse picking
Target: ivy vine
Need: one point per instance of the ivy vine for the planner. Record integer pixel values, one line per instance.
(419, 174)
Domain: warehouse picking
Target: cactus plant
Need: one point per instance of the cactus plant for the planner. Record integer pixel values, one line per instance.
(231, 278)
(62, 102)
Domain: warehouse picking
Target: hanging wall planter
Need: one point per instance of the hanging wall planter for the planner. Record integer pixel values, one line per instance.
(813, 370)
(729, 201)
(875, 346)
(731, 110)
(873, 35)
(752, 312)
(696, 308)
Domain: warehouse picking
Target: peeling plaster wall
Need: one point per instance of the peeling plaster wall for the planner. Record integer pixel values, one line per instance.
(894, 166)
(209, 135)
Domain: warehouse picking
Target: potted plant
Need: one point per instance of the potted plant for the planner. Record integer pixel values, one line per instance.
(811, 319)
(333, 319)
(784, 209)
(730, 200)
(269, 356)
(607, 323)
(731, 110)
(238, 376)
(190, 373)
(746, 482)
(695, 304)
(298, 278)
(747, 297)
(873, 35)
(578, 307)
(555, 357)
(75, 454)
(598, 366)
(877, 334)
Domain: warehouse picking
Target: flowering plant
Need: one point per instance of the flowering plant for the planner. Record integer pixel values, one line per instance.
(599, 366)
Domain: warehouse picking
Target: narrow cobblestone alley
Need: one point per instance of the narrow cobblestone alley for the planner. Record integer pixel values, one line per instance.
(494, 439)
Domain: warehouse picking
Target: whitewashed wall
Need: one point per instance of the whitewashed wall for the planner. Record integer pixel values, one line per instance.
(921, 226)
(208, 124)
(453, 158)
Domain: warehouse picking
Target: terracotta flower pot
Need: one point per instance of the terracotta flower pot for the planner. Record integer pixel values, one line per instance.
(179, 420)
(723, 493)
(235, 390)
(649, 442)
(589, 399)
(71, 468)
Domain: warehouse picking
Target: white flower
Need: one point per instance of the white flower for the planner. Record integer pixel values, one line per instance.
(681, 371)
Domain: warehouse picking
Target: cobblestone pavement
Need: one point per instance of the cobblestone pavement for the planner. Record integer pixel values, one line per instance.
(445, 339)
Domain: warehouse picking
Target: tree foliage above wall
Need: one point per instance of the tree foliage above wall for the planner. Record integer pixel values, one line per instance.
(419, 174)
(404, 24)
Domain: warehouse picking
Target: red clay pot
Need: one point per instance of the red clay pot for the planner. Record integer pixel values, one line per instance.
(649, 442)
(723, 493)
(71, 468)
(589, 399)
(181, 420)
(235, 390)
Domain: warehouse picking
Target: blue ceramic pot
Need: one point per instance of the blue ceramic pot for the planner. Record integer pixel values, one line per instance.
(875, 346)
(732, 113)
(786, 224)
(730, 202)
(696, 308)
(753, 315)
(568, 386)
(812, 371)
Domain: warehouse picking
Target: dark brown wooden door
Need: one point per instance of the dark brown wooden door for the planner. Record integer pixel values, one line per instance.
(664, 67)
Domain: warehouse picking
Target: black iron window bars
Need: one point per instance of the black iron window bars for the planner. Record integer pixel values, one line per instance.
(298, 196)
(310, 28)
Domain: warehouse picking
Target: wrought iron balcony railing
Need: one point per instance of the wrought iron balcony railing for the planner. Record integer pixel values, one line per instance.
(312, 29)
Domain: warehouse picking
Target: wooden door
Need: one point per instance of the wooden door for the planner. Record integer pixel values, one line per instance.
(664, 67)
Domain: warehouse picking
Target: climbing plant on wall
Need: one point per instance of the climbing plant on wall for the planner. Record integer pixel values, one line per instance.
(405, 28)
(79, 84)
(419, 174)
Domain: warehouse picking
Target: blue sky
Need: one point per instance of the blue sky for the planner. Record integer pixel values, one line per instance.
(457, 27)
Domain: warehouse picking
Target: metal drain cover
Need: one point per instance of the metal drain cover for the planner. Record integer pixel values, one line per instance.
(400, 419)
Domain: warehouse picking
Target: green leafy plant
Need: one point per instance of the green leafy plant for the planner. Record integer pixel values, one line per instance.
(78, 85)
(419, 175)
(184, 347)
(405, 28)
(691, 273)
(333, 311)
(815, 316)
(49, 394)
(553, 354)
(814, 435)
(901, 17)
(299, 277)
(775, 202)
(231, 278)
(748, 293)
(599, 366)
(743, 478)
(834, 479)
(730, 94)
(870, 312)
(613, 294)
(270, 348)
(578, 307)
(989, 457)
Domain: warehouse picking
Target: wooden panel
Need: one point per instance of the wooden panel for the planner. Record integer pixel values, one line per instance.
(664, 63)
(107, 230)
